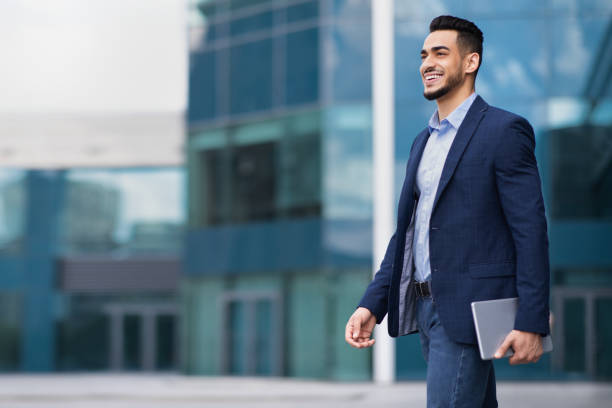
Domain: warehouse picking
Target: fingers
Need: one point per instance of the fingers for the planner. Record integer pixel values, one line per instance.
(356, 324)
(356, 336)
(522, 358)
(503, 349)
(527, 348)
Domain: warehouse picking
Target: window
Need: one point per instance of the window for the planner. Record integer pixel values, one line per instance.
(302, 83)
(250, 82)
(581, 172)
(12, 209)
(202, 86)
(303, 11)
(123, 210)
(257, 171)
(245, 25)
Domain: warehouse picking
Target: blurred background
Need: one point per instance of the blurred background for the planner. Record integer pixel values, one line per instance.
(186, 186)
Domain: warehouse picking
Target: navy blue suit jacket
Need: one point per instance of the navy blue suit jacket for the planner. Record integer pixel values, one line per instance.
(488, 236)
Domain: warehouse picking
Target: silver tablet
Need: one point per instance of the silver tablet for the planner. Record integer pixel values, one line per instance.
(493, 320)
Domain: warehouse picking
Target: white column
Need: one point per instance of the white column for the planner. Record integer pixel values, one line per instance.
(383, 164)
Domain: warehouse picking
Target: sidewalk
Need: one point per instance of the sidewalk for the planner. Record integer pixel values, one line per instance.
(176, 391)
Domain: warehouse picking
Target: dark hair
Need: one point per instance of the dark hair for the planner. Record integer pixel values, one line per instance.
(469, 36)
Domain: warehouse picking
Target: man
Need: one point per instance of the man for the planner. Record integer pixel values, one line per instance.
(470, 227)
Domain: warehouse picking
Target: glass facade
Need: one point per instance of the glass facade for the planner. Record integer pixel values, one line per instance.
(12, 210)
(128, 211)
(256, 171)
(280, 171)
(90, 262)
(279, 186)
(549, 62)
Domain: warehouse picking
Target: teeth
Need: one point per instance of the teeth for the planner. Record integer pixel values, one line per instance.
(432, 76)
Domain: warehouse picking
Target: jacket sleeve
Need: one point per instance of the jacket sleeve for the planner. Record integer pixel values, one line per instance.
(376, 296)
(520, 194)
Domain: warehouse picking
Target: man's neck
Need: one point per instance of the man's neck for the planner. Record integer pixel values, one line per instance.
(449, 102)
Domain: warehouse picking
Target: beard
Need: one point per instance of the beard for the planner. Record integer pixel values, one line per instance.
(452, 82)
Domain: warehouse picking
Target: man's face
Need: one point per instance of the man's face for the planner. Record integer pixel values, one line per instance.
(441, 64)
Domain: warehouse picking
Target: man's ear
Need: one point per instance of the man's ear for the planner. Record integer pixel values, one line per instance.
(471, 62)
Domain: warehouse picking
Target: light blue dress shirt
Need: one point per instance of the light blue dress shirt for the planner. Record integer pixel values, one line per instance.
(430, 168)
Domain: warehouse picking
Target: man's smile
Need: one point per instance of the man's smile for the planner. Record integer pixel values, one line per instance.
(432, 77)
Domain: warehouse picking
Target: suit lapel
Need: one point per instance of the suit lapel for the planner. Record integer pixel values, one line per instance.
(411, 168)
(462, 138)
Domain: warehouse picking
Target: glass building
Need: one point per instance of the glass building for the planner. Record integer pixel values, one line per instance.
(90, 261)
(279, 164)
(279, 223)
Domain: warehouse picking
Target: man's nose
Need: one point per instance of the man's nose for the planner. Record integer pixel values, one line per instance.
(426, 62)
(425, 65)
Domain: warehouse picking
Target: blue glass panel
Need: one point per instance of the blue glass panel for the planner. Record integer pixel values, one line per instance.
(409, 39)
(238, 4)
(420, 13)
(352, 9)
(216, 31)
(166, 342)
(12, 209)
(299, 175)
(304, 11)
(286, 245)
(575, 53)
(83, 336)
(281, 245)
(604, 329)
(581, 168)
(251, 77)
(347, 177)
(263, 337)
(582, 6)
(245, 25)
(209, 8)
(573, 336)
(503, 7)
(237, 334)
(352, 70)
(136, 211)
(202, 86)
(515, 59)
(10, 331)
(132, 340)
(302, 74)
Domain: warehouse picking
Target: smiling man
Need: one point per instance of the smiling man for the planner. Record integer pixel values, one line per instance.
(470, 226)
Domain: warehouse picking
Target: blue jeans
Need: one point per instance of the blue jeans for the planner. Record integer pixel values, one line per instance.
(456, 375)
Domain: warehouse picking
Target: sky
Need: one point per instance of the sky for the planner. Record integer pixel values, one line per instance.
(86, 55)
(88, 82)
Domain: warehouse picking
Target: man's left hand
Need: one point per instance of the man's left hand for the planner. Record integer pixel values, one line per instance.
(527, 347)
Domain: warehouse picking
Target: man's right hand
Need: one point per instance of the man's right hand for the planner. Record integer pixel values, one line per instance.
(359, 328)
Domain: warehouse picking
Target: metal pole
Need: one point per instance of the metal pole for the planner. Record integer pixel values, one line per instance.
(383, 163)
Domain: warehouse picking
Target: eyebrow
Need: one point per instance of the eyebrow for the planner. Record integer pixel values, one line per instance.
(436, 48)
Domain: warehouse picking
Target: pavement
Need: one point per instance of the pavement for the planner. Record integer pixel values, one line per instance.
(178, 391)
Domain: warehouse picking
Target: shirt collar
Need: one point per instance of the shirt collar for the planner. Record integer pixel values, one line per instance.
(456, 116)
